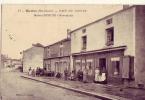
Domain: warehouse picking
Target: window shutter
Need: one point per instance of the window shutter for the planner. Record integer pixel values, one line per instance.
(125, 67)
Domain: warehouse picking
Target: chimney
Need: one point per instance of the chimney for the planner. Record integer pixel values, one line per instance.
(126, 6)
(68, 33)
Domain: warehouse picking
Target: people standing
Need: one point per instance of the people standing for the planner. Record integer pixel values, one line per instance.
(97, 75)
(29, 71)
(85, 75)
(72, 76)
(104, 76)
(80, 75)
(37, 71)
(90, 72)
(33, 73)
(66, 74)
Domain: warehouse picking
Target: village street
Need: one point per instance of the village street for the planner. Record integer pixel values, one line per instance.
(14, 87)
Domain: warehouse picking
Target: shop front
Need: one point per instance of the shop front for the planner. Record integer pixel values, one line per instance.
(110, 66)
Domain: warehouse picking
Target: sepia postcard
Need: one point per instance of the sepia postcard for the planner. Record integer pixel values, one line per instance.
(72, 52)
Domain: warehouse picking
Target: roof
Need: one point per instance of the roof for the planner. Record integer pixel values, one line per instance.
(34, 45)
(102, 18)
(63, 40)
(37, 45)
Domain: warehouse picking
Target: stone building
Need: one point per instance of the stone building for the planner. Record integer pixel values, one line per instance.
(57, 56)
(114, 43)
(33, 57)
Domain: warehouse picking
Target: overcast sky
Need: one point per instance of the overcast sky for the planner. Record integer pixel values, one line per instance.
(21, 28)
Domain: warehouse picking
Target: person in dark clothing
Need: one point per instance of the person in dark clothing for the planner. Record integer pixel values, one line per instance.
(65, 74)
(80, 75)
(37, 71)
(72, 76)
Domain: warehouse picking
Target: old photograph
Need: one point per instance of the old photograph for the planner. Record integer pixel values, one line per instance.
(72, 52)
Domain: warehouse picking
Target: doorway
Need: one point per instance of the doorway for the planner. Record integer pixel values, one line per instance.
(102, 65)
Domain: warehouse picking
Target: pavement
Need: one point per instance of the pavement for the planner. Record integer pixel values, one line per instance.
(107, 92)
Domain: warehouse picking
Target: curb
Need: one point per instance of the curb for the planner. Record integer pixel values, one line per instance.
(97, 95)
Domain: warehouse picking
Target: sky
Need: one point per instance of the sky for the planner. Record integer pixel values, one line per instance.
(23, 25)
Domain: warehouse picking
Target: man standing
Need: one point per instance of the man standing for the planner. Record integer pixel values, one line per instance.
(65, 74)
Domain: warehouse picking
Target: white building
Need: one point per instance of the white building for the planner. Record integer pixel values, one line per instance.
(33, 57)
(115, 43)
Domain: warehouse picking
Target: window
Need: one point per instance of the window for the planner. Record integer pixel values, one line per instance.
(61, 49)
(48, 52)
(83, 64)
(84, 31)
(56, 66)
(116, 68)
(115, 65)
(84, 42)
(110, 36)
(48, 67)
(109, 21)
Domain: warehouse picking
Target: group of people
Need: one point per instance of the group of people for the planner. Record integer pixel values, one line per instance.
(38, 72)
(100, 76)
(85, 75)
(68, 75)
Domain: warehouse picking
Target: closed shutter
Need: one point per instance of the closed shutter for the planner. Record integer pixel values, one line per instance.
(125, 67)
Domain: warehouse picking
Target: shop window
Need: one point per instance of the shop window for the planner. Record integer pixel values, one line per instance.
(89, 65)
(84, 42)
(83, 64)
(116, 67)
(110, 36)
(78, 66)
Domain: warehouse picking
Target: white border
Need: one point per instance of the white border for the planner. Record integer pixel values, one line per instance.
(139, 2)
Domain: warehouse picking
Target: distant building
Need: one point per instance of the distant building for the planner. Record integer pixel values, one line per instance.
(33, 57)
(3, 60)
(115, 43)
(9, 62)
(16, 63)
(57, 56)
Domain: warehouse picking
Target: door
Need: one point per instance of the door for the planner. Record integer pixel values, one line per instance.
(102, 65)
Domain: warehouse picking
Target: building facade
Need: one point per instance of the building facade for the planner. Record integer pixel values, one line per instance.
(9, 62)
(57, 56)
(114, 43)
(16, 63)
(33, 57)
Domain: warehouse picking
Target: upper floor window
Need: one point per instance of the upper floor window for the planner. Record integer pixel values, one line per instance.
(110, 36)
(109, 21)
(84, 30)
(48, 52)
(61, 49)
(84, 42)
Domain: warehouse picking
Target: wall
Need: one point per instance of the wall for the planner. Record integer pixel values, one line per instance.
(140, 45)
(96, 35)
(33, 58)
(54, 49)
(55, 56)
